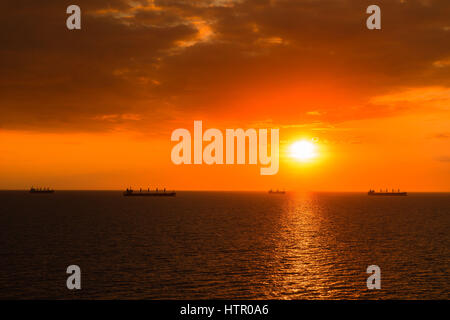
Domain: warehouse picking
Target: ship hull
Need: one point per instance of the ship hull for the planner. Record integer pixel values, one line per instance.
(150, 194)
(43, 191)
(389, 194)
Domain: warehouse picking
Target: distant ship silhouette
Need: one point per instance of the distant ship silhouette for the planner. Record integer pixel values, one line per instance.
(276, 191)
(149, 193)
(387, 193)
(41, 190)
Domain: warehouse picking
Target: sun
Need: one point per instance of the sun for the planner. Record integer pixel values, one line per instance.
(303, 150)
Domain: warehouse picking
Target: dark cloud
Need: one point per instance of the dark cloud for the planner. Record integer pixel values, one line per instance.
(162, 60)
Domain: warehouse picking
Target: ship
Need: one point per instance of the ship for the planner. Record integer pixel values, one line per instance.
(387, 193)
(276, 191)
(149, 193)
(41, 190)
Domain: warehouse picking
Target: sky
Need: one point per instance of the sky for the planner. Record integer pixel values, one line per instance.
(95, 108)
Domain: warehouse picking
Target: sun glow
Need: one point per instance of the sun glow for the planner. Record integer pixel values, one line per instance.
(303, 150)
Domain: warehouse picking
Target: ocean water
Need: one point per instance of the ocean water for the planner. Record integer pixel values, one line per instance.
(233, 245)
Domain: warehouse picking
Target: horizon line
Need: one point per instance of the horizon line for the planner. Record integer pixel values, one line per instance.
(232, 190)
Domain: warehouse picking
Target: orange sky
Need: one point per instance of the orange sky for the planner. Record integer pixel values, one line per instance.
(95, 108)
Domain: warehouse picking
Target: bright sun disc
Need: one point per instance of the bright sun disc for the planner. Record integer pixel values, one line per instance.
(303, 150)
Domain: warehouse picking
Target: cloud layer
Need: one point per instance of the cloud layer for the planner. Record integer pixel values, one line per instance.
(140, 64)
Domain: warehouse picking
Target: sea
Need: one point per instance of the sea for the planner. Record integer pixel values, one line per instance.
(224, 245)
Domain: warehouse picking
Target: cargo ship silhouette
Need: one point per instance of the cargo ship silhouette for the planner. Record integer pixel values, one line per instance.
(149, 193)
(276, 191)
(41, 190)
(387, 193)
